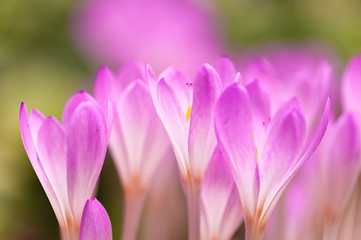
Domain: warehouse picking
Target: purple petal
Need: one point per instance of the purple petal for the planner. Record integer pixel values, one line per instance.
(260, 101)
(129, 73)
(233, 124)
(175, 122)
(104, 88)
(52, 151)
(261, 69)
(282, 146)
(87, 143)
(260, 109)
(226, 70)
(351, 85)
(29, 145)
(73, 103)
(145, 139)
(202, 139)
(181, 84)
(307, 152)
(341, 162)
(95, 222)
(222, 206)
(36, 119)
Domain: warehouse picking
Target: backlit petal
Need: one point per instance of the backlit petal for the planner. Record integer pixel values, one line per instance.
(29, 145)
(73, 103)
(202, 140)
(283, 144)
(233, 124)
(87, 143)
(222, 206)
(226, 70)
(175, 122)
(145, 139)
(52, 150)
(351, 85)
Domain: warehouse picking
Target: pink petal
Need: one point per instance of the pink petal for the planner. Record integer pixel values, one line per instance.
(341, 162)
(311, 145)
(181, 84)
(226, 70)
(73, 103)
(261, 69)
(261, 111)
(95, 222)
(130, 72)
(104, 88)
(87, 143)
(52, 151)
(233, 125)
(145, 139)
(351, 85)
(260, 101)
(282, 146)
(36, 119)
(105, 91)
(29, 145)
(222, 206)
(175, 122)
(202, 139)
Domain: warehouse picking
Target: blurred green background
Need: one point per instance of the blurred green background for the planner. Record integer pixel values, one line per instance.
(40, 66)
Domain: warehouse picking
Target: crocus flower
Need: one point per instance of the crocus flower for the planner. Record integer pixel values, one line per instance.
(313, 210)
(95, 222)
(351, 86)
(222, 209)
(264, 153)
(186, 110)
(178, 32)
(350, 95)
(67, 157)
(138, 142)
(294, 72)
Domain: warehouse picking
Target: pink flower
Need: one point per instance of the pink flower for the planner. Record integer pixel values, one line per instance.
(317, 197)
(222, 209)
(294, 72)
(95, 222)
(264, 153)
(186, 109)
(351, 86)
(162, 32)
(67, 157)
(138, 142)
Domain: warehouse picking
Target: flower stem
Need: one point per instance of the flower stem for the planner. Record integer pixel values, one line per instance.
(71, 229)
(254, 232)
(133, 210)
(193, 193)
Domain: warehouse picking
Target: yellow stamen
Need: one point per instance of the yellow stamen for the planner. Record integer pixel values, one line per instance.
(188, 114)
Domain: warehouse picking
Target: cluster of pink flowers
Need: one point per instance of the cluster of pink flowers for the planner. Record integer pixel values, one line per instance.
(265, 146)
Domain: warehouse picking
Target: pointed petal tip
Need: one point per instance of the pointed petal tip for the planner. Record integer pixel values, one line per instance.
(73, 102)
(23, 110)
(149, 71)
(103, 71)
(238, 79)
(95, 222)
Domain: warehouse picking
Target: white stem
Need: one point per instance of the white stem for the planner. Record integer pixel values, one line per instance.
(133, 210)
(193, 192)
